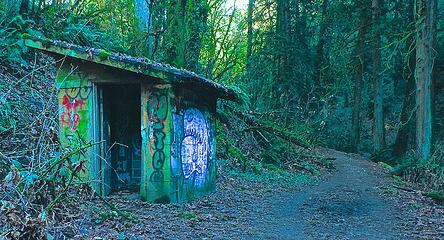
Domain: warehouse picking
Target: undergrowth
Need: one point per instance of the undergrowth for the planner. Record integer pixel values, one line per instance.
(256, 149)
(427, 175)
(39, 179)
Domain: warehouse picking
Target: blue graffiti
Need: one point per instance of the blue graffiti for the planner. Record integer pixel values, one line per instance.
(195, 147)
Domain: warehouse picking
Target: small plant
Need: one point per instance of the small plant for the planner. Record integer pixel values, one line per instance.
(398, 178)
(386, 166)
(187, 215)
(104, 54)
(437, 196)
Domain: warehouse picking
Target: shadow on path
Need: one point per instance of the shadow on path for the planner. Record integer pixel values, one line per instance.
(346, 205)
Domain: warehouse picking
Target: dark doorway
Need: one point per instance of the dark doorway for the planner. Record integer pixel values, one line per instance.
(121, 108)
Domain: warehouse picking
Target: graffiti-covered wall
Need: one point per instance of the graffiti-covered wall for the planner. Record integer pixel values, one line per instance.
(193, 153)
(178, 145)
(178, 142)
(75, 115)
(156, 119)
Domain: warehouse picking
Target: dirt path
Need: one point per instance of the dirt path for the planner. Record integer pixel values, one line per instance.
(356, 201)
(347, 205)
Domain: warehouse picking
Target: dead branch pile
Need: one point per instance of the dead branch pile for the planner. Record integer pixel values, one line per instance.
(28, 113)
(39, 188)
(254, 142)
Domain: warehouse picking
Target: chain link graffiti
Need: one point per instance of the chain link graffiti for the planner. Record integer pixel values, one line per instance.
(157, 114)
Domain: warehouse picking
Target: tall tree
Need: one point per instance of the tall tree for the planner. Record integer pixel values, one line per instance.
(175, 37)
(143, 25)
(425, 35)
(187, 23)
(196, 25)
(250, 28)
(282, 37)
(378, 117)
(405, 131)
(359, 65)
(321, 42)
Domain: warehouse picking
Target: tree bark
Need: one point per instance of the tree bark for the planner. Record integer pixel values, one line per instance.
(250, 28)
(321, 43)
(425, 22)
(187, 22)
(359, 64)
(282, 35)
(143, 24)
(175, 37)
(378, 114)
(196, 25)
(406, 130)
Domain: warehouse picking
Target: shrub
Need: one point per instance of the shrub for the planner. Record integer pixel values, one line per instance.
(428, 175)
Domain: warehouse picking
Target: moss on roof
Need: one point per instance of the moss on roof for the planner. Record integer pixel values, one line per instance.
(166, 73)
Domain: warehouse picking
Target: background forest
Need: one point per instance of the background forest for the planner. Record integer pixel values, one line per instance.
(353, 75)
(357, 76)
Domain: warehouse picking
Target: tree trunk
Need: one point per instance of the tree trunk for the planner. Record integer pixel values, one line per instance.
(282, 35)
(425, 22)
(250, 28)
(143, 24)
(359, 64)
(196, 25)
(321, 43)
(406, 130)
(187, 22)
(175, 37)
(378, 117)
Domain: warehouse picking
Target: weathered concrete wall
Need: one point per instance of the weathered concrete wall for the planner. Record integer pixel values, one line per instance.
(193, 153)
(179, 160)
(75, 116)
(156, 139)
(79, 115)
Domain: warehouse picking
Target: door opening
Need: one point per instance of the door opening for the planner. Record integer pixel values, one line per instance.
(122, 121)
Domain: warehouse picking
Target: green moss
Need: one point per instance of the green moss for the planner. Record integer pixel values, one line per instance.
(187, 215)
(237, 154)
(398, 178)
(435, 195)
(104, 54)
(277, 178)
(386, 166)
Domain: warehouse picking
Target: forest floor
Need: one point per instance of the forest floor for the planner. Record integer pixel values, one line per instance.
(356, 200)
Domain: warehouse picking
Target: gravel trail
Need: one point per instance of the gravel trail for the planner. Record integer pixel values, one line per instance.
(357, 200)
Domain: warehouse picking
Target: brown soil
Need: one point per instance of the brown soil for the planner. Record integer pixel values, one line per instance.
(358, 200)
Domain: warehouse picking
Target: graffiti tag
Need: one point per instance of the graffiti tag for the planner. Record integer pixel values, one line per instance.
(73, 102)
(157, 114)
(70, 115)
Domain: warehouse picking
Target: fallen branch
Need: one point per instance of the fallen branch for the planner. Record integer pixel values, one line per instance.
(404, 189)
(303, 168)
(257, 125)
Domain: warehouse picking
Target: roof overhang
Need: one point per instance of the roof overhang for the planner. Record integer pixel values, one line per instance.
(144, 66)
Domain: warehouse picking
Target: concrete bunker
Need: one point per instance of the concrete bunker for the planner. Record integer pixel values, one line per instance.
(151, 126)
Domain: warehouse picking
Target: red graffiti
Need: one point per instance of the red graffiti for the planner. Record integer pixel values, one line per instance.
(70, 115)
